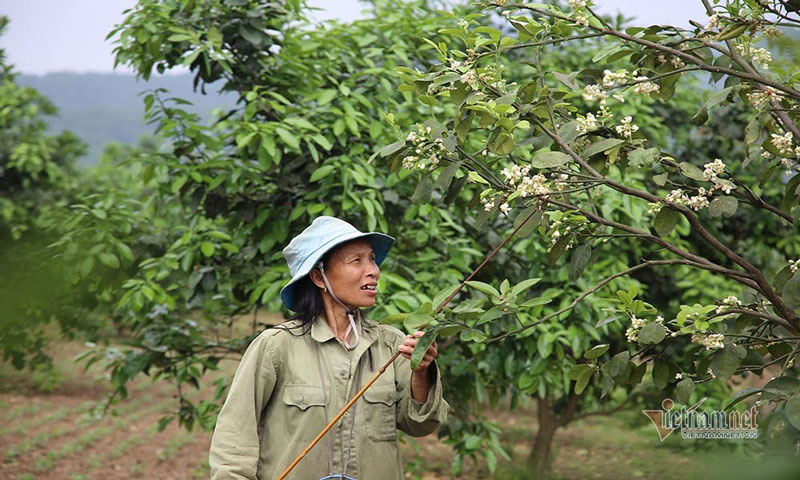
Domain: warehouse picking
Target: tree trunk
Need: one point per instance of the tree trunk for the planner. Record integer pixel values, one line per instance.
(539, 458)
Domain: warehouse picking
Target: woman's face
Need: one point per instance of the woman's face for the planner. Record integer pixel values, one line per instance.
(353, 274)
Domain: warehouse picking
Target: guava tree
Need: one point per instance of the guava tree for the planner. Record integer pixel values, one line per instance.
(216, 204)
(561, 147)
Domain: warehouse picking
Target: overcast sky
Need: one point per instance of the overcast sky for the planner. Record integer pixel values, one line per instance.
(68, 35)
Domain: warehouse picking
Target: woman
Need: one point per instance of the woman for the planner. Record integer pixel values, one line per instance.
(296, 376)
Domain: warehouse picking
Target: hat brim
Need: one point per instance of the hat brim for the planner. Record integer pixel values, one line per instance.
(381, 244)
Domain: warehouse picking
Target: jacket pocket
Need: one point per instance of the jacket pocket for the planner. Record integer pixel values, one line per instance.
(381, 413)
(305, 410)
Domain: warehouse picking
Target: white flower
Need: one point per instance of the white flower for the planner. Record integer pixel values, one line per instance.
(582, 19)
(505, 208)
(783, 142)
(614, 79)
(470, 78)
(637, 322)
(763, 97)
(698, 202)
(794, 265)
(772, 32)
(632, 334)
(713, 169)
(626, 128)
(587, 124)
(487, 204)
(576, 4)
(761, 57)
(409, 162)
(644, 88)
(677, 63)
(594, 93)
(713, 22)
(678, 197)
(712, 341)
(654, 207)
(731, 300)
(659, 319)
(678, 376)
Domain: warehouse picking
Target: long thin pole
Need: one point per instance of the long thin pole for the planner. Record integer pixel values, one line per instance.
(397, 354)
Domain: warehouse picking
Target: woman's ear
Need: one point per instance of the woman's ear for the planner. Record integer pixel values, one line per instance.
(316, 277)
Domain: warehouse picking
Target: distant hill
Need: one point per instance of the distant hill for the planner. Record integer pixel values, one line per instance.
(100, 108)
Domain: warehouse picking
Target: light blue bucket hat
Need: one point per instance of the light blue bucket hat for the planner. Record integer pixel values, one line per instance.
(324, 233)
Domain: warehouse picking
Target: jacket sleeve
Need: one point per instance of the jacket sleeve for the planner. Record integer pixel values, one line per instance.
(235, 445)
(415, 418)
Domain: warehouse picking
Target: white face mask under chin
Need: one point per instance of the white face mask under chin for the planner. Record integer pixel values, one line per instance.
(351, 328)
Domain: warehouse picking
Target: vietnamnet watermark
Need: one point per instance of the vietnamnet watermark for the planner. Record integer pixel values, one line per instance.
(694, 423)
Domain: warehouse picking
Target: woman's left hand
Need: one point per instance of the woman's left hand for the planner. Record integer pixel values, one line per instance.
(408, 347)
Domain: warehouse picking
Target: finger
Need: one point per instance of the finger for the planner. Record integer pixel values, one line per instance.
(419, 333)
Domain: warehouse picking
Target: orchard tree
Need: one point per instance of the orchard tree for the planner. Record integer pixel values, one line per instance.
(37, 172)
(559, 149)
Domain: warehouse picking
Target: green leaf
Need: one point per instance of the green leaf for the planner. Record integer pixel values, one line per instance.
(449, 330)
(742, 394)
(446, 175)
(660, 373)
(288, 138)
(394, 319)
(784, 385)
(473, 335)
(665, 221)
(325, 96)
(652, 333)
(422, 194)
(724, 205)
(392, 148)
(483, 287)
(423, 343)
(725, 362)
(207, 248)
(503, 143)
(530, 225)
(578, 261)
(618, 364)
(321, 172)
(691, 171)
(524, 285)
(601, 146)
(416, 320)
(596, 351)
(577, 370)
(643, 157)
(109, 260)
(476, 177)
(549, 159)
(443, 294)
(535, 302)
(472, 442)
(544, 344)
(684, 390)
(792, 410)
(583, 381)
(557, 250)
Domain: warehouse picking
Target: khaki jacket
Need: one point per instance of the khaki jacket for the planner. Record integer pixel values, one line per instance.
(275, 406)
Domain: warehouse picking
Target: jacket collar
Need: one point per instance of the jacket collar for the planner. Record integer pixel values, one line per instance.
(321, 331)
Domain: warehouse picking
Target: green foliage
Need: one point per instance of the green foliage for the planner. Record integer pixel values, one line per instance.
(611, 156)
